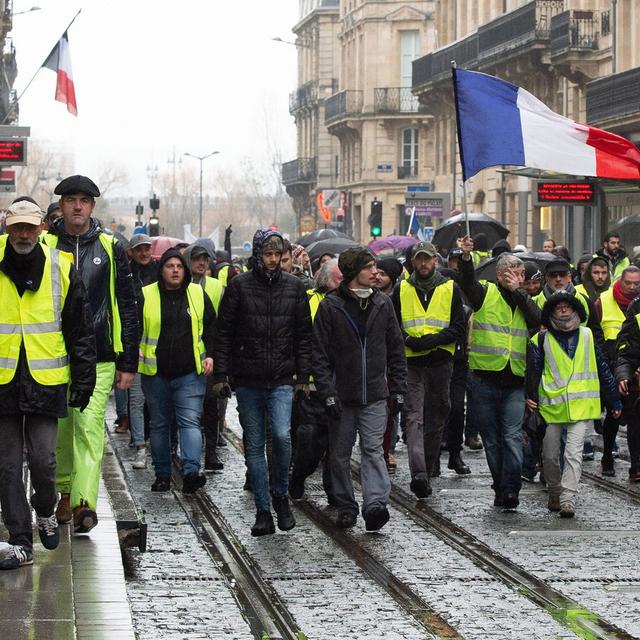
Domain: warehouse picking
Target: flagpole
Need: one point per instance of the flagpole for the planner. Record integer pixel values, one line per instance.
(12, 110)
(413, 213)
(464, 180)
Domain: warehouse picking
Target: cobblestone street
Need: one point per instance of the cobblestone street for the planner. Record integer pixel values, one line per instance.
(176, 589)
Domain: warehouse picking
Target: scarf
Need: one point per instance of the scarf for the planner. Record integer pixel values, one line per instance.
(570, 323)
(426, 285)
(24, 270)
(620, 297)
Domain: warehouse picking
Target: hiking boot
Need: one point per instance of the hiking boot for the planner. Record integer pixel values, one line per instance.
(48, 531)
(567, 510)
(457, 464)
(607, 465)
(284, 517)
(15, 557)
(553, 504)
(212, 462)
(264, 524)
(140, 461)
(376, 518)
(161, 484)
(193, 482)
(296, 487)
(123, 425)
(510, 501)
(474, 443)
(84, 518)
(346, 520)
(64, 515)
(421, 486)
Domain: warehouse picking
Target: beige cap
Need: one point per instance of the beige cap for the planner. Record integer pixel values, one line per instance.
(23, 211)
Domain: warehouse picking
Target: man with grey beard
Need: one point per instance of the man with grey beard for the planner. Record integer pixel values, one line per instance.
(47, 344)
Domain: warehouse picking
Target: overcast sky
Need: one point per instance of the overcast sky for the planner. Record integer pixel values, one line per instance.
(151, 75)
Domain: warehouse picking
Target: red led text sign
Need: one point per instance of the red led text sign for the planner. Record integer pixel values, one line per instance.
(577, 193)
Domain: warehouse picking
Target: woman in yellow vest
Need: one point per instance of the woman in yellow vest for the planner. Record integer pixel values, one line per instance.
(565, 375)
(178, 322)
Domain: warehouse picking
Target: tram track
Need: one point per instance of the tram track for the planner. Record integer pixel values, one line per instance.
(566, 611)
(261, 605)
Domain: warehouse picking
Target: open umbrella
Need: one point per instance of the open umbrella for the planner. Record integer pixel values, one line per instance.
(397, 243)
(487, 270)
(455, 227)
(320, 234)
(331, 245)
(160, 244)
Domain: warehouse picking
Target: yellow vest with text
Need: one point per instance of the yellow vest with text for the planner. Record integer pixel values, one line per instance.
(35, 320)
(152, 325)
(540, 299)
(107, 241)
(569, 389)
(612, 315)
(418, 321)
(214, 289)
(498, 335)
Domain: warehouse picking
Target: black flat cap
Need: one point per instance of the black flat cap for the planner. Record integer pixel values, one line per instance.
(77, 184)
(559, 265)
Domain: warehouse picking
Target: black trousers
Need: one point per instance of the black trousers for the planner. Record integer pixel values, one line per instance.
(210, 419)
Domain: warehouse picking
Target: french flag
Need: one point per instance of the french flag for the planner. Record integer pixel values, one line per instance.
(501, 123)
(59, 60)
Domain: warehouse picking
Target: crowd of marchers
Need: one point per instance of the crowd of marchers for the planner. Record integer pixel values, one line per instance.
(352, 347)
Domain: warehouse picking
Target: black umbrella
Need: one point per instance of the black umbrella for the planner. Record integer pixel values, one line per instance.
(456, 227)
(331, 245)
(320, 234)
(629, 230)
(487, 270)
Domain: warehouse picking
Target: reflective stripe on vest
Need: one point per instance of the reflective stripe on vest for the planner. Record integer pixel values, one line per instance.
(107, 241)
(418, 321)
(612, 315)
(35, 321)
(540, 299)
(152, 326)
(214, 289)
(498, 335)
(569, 388)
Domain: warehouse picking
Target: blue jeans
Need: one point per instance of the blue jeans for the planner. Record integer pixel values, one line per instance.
(498, 413)
(122, 402)
(136, 411)
(254, 405)
(182, 397)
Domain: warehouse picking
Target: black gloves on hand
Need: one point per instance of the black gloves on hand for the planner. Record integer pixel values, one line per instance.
(79, 399)
(395, 402)
(333, 407)
(221, 390)
(420, 344)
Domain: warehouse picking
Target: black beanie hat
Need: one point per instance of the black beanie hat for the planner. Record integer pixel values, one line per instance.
(391, 266)
(353, 260)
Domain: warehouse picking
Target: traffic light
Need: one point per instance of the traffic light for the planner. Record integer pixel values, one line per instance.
(375, 218)
(154, 226)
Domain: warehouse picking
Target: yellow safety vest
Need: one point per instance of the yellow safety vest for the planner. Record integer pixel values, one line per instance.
(418, 322)
(498, 335)
(479, 256)
(540, 299)
(214, 289)
(580, 288)
(35, 320)
(107, 241)
(223, 274)
(152, 326)
(612, 315)
(315, 298)
(569, 389)
(620, 267)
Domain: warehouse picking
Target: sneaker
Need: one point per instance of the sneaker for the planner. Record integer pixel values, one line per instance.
(17, 556)
(376, 518)
(474, 443)
(140, 461)
(161, 484)
(553, 503)
(567, 510)
(587, 450)
(193, 482)
(64, 515)
(48, 531)
(84, 518)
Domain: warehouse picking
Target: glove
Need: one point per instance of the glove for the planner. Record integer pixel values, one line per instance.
(79, 399)
(396, 403)
(424, 343)
(333, 407)
(221, 390)
(301, 392)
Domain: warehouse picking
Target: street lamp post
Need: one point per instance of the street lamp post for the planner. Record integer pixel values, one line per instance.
(201, 159)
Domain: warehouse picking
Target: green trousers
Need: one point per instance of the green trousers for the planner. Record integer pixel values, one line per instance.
(81, 443)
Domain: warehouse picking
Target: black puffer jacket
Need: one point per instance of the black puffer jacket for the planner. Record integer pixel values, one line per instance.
(94, 267)
(263, 334)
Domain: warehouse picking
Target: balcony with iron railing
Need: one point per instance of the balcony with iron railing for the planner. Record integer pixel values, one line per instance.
(298, 171)
(395, 100)
(614, 97)
(342, 105)
(518, 31)
(305, 95)
(574, 30)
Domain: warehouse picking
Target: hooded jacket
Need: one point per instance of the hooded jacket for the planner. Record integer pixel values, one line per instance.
(263, 334)
(94, 267)
(587, 281)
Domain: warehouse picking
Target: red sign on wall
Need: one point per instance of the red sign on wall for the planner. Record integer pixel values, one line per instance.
(13, 151)
(578, 193)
